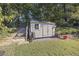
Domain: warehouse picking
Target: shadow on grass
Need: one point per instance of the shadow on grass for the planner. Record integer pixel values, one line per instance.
(2, 53)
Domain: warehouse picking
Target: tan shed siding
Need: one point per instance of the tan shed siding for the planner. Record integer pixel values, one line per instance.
(53, 30)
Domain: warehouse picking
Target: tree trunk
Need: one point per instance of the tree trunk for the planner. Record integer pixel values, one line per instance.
(29, 28)
(29, 31)
(65, 12)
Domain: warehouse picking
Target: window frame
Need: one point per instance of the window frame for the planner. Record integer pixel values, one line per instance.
(36, 26)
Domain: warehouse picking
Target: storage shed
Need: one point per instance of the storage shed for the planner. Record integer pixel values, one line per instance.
(40, 28)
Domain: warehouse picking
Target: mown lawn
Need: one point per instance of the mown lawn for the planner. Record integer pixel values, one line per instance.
(44, 48)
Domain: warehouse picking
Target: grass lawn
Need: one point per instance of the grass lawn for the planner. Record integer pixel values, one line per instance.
(44, 48)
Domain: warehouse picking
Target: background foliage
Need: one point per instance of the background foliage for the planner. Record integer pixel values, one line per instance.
(64, 15)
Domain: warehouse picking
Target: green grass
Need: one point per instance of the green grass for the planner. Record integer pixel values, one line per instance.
(45, 48)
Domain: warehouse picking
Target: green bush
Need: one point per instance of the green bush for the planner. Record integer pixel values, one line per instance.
(6, 31)
(12, 30)
(66, 30)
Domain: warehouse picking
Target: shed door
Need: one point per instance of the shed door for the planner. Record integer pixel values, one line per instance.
(50, 30)
(36, 28)
(44, 30)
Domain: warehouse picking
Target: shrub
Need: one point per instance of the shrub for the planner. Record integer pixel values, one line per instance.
(66, 30)
(6, 31)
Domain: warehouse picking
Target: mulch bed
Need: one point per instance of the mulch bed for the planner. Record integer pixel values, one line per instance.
(66, 36)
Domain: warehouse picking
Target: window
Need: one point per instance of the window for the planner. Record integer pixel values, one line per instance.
(36, 26)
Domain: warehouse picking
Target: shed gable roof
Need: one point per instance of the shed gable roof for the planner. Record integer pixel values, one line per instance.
(43, 22)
